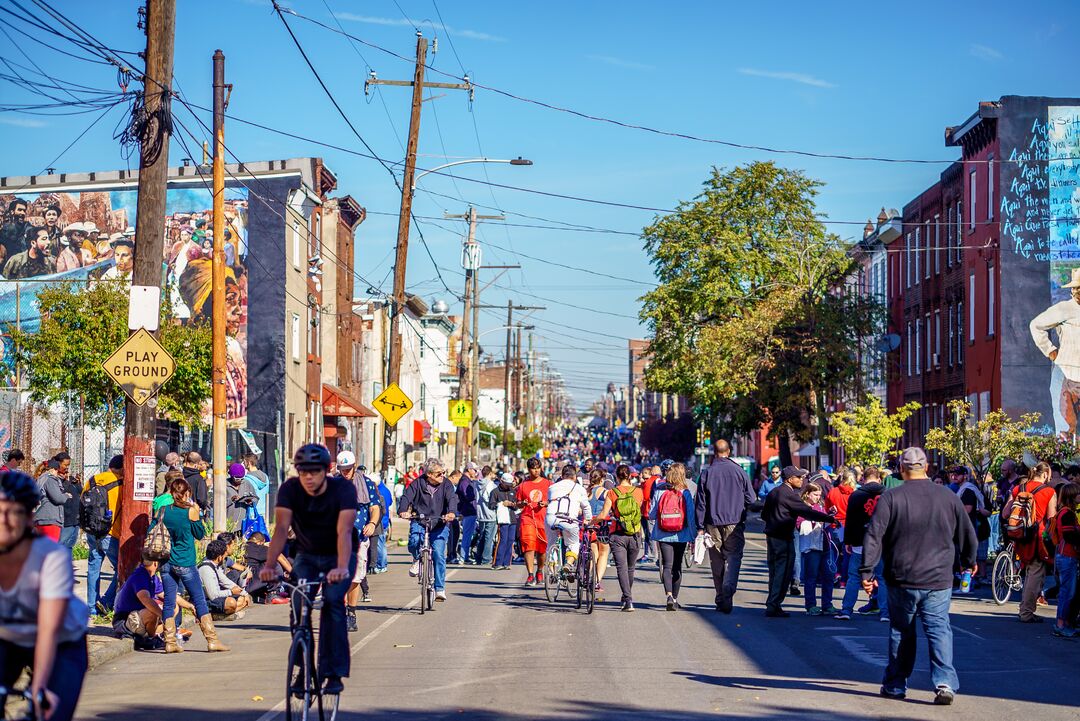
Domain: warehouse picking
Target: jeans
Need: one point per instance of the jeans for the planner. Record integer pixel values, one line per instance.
(468, 528)
(796, 572)
(854, 582)
(100, 549)
(333, 634)
(380, 559)
(882, 593)
(781, 556)
(171, 579)
(725, 559)
(1066, 572)
(66, 679)
(625, 550)
(931, 608)
(504, 555)
(439, 536)
(671, 566)
(69, 536)
(995, 532)
(485, 542)
(817, 571)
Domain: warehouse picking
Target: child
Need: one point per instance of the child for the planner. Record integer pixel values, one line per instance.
(818, 565)
(255, 555)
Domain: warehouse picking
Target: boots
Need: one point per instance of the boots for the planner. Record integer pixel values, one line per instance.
(206, 624)
(171, 646)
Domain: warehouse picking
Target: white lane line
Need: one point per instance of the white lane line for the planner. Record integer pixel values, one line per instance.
(279, 708)
(459, 684)
(969, 633)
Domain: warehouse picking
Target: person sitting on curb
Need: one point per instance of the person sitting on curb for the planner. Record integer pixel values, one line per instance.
(224, 597)
(137, 613)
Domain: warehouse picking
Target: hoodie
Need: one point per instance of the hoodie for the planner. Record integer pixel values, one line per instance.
(838, 502)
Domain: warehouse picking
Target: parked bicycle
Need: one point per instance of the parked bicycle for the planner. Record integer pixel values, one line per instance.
(1006, 576)
(303, 682)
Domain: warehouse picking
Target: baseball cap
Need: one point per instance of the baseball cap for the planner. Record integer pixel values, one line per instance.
(507, 477)
(827, 469)
(792, 472)
(346, 459)
(914, 458)
(471, 466)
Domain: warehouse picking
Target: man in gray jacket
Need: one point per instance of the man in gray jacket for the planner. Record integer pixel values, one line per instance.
(49, 515)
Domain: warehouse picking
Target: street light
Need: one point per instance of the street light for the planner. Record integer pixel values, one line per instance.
(515, 161)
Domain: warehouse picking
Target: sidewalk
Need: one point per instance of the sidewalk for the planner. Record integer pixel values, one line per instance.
(101, 640)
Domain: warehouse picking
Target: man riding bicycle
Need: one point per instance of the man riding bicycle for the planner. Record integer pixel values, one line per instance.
(321, 511)
(42, 623)
(568, 501)
(429, 496)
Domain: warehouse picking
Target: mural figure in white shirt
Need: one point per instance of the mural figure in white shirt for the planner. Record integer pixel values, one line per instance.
(1064, 320)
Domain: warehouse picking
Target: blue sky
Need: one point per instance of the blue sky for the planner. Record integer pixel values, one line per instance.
(847, 78)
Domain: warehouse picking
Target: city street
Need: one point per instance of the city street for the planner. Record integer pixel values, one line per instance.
(496, 651)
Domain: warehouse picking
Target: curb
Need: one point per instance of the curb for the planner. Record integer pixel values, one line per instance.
(103, 649)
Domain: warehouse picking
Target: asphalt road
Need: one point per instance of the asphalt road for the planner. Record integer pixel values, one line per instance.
(498, 651)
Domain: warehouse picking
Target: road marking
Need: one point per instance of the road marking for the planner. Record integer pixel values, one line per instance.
(459, 684)
(969, 633)
(834, 628)
(279, 708)
(859, 650)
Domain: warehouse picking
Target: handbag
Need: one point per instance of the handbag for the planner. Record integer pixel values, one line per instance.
(254, 523)
(157, 545)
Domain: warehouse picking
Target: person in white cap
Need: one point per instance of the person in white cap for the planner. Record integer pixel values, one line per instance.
(1062, 318)
(71, 241)
(369, 512)
(504, 500)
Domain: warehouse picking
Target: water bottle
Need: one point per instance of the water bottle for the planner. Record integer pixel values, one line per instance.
(965, 581)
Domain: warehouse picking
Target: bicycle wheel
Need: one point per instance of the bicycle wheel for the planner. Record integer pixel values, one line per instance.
(590, 585)
(1001, 581)
(688, 556)
(551, 573)
(429, 588)
(298, 680)
(423, 580)
(582, 562)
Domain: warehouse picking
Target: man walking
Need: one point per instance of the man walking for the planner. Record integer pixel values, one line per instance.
(917, 528)
(782, 507)
(467, 492)
(723, 494)
(486, 526)
(103, 540)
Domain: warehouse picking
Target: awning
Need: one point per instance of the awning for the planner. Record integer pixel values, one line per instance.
(421, 432)
(337, 402)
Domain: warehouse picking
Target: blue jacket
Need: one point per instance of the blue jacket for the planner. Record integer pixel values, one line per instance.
(724, 491)
(766, 487)
(689, 530)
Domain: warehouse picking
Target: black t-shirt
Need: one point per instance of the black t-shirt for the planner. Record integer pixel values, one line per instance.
(314, 519)
(970, 497)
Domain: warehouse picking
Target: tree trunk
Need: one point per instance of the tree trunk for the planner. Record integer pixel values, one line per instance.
(784, 442)
(822, 427)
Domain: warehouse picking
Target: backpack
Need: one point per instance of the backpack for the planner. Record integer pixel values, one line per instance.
(157, 545)
(628, 511)
(1021, 524)
(95, 516)
(671, 511)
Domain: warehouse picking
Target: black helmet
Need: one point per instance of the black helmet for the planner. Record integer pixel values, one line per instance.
(18, 487)
(665, 465)
(312, 454)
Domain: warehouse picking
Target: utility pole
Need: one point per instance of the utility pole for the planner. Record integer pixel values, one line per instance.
(506, 377)
(219, 412)
(401, 255)
(474, 430)
(140, 424)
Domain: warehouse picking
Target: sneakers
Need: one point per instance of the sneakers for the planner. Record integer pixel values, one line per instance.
(1031, 619)
(814, 611)
(842, 616)
(1065, 632)
(944, 696)
(333, 685)
(440, 595)
(539, 577)
(894, 693)
(530, 581)
(830, 610)
(279, 600)
(868, 610)
(670, 603)
(795, 590)
(350, 623)
(724, 607)
(627, 607)
(414, 570)
(778, 613)
(365, 599)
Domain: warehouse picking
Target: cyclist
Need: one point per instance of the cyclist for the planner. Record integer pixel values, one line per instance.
(567, 502)
(321, 511)
(42, 623)
(431, 497)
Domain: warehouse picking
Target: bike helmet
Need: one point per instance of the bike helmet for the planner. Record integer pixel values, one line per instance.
(666, 465)
(18, 487)
(312, 455)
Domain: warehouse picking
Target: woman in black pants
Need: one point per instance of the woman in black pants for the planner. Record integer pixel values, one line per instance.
(626, 532)
(673, 526)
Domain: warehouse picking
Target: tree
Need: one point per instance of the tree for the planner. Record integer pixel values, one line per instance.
(670, 437)
(869, 433)
(80, 327)
(979, 445)
(752, 317)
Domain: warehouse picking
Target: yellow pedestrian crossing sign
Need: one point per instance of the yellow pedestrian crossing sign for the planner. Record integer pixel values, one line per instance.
(392, 404)
(461, 413)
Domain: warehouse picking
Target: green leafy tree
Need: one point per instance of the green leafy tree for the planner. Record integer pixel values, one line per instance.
(868, 432)
(979, 445)
(751, 318)
(80, 327)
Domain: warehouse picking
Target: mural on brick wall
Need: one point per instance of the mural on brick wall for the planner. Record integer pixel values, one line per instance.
(89, 236)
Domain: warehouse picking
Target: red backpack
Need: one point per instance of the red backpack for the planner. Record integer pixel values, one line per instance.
(671, 511)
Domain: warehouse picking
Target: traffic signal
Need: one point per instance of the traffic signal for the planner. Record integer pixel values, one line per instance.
(699, 431)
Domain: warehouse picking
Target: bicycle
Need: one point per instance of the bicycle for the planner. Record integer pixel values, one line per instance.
(688, 557)
(426, 577)
(586, 567)
(302, 680)
(1005, 577)
(553, 570)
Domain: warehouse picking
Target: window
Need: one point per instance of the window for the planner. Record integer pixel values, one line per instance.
(984, 404)
(918, 347)
(929, 247)
(909, 345)
(295, 337)
(915, 255)
(990, 309)
(929, 343)
(958, 240)
(907, 260)
(937, 244)
(972, 200)
(296, 244)
(423, 396)
(990, 188)
(952, 333)
(937, 338)
(971, 308)
(960, 332)
(951, 217)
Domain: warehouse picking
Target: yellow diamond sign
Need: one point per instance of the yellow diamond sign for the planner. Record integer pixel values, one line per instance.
(392, 404)
(140, 366)
(460, 413)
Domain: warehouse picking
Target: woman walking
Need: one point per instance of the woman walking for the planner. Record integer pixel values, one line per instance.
(673, 526)
(504, 502)
(600, 550)
(818, 560)
(1066, 533)
(185, 527)
(625, 500)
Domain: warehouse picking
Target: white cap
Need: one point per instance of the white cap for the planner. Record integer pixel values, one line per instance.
(346, 459)
(507, 477)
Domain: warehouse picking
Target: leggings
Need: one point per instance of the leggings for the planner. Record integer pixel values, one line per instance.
(671, 565)
(68, 672)
(625, 551)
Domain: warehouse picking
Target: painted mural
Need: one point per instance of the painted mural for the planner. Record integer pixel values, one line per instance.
(90, 236)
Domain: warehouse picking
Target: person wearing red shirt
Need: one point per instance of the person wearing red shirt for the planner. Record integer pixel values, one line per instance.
(836, 502)
(532, 497)
(1033, 553)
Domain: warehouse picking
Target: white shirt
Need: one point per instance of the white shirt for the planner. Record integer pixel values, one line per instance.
(567, 497)
(1063, 317)
(46, 574)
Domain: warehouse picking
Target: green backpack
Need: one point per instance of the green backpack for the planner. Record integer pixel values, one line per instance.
(629, 512)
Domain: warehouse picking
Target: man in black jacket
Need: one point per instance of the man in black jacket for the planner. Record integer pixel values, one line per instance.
(782, 507)
(724, 491)
(917, 528)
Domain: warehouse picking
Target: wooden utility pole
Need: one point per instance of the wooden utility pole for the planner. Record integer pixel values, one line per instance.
(140, 424)
(401, 255)
(506, 377)
(219, 412)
